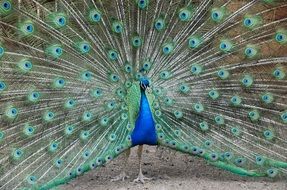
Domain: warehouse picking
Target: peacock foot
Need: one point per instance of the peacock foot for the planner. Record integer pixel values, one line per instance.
(122, 177)
(165, 177)
(141, 178)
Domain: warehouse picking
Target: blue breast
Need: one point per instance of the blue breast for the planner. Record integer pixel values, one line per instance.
(144, 131)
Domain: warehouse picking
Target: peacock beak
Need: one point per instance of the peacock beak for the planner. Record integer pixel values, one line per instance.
(142, 85)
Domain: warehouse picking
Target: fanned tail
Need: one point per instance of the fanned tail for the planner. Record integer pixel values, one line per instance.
(222, 91)
(62, 93)
(69, 91)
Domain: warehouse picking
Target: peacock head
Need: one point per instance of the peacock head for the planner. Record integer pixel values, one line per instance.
(144, 83)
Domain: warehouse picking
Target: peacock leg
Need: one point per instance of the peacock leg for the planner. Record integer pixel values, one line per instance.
(122, 176)
(141, 178)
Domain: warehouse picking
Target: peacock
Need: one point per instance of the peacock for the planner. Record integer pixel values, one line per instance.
(83, 81)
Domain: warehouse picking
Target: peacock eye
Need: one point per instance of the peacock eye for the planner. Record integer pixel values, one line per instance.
(247, 22)
(279, 37)
(29, 27)
(6, 5)
(183, 15)
(61, 21)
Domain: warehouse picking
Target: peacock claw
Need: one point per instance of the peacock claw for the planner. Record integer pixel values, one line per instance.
(165, 176)
(122, 177)
(141, 179)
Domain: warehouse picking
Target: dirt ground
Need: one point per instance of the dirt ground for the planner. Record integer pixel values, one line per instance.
(169, 171)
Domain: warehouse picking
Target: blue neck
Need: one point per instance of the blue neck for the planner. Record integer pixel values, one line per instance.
(144, 131)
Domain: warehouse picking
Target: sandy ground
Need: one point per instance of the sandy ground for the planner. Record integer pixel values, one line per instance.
(169, 171)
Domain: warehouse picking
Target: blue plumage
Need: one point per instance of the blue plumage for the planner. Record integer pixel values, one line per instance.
(144, 131)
